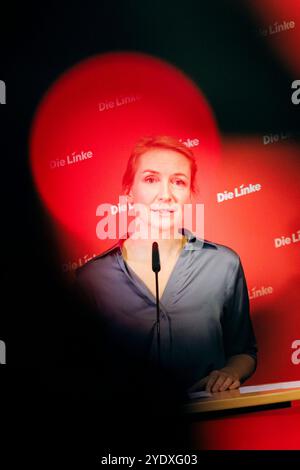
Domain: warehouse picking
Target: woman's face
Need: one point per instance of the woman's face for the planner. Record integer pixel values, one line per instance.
(162, 185)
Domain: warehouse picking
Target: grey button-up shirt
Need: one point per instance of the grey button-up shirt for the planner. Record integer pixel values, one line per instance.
(204, 308)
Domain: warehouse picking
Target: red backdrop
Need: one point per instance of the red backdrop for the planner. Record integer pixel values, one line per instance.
(81, 139)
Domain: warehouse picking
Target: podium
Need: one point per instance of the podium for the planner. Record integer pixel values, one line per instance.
(250, 418)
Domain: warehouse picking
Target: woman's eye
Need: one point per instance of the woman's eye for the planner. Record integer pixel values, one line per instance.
(150, 179)
(179, 182)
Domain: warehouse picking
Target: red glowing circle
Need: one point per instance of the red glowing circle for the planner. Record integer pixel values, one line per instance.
(89, 121)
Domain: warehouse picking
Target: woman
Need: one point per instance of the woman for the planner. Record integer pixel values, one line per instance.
(207, 339)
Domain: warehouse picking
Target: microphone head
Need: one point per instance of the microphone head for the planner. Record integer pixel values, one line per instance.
(155, 258)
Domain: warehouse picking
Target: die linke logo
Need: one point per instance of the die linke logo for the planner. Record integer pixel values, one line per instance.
(276, 28)
(71, 159)
(296, 94)
(2, 352)
(2, 92)
(273, 138)
(240, 191)
(295, 358)
(254, 293)
(72, 265)
(118, 101)
(190, 142)
(285, 241)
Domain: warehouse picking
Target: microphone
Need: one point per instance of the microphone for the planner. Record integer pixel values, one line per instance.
(155, 258)
(156, 269)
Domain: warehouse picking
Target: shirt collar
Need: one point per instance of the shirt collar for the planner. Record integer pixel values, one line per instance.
(193, 242)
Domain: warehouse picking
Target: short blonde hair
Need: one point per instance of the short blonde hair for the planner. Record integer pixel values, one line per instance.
(154, 142)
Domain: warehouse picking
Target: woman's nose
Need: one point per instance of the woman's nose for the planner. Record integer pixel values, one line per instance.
(165, 192)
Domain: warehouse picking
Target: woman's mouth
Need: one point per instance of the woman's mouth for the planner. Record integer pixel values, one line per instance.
(164, 212)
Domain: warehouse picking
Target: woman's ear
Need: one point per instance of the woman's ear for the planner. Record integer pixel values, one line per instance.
(195, 196)
(129, 197)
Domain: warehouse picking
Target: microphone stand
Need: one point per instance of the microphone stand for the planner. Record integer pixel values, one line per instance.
(156, 269)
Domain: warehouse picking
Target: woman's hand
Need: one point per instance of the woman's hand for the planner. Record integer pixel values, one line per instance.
(218, 381)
